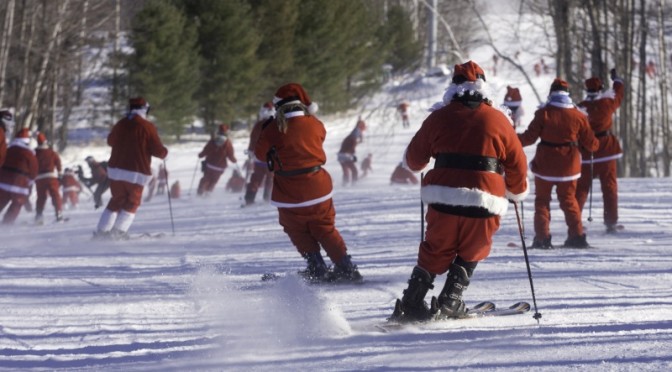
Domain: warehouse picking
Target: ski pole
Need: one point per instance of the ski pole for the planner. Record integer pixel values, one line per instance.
(170, 203)
(590, 203)
(537, 314)
(422, 212)
(193, 177)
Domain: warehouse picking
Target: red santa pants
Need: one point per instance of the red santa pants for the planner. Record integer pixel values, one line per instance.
(125, 195)
(71, 197)
(566, 192)
(208, 181)
(260, 176)
(17, 201)
(310, 227)
(349, 171)
(448, 236)
(606, 172)
(48, 187)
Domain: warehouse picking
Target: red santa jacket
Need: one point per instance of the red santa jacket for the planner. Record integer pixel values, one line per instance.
(236, 183)
(254, 137)
(300, 149)
(601, 108)
(562, 128)
(216, 155)
(20, 168)
(48, 163)
(462, 135)
(134, 140)
(69, 182)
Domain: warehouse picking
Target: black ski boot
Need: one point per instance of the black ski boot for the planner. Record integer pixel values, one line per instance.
(249, 197)
(542, 243)
(578, 241)
(412, 306)
(450, 299)
(345, 271)
(316, 269)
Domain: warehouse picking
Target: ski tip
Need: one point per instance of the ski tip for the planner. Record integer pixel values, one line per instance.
(512, 245)
(521, 306)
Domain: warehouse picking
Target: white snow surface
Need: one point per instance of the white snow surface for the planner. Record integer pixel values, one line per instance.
(193, 299)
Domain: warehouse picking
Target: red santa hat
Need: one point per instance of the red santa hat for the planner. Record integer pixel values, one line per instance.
(512, 97)
(266, 111)
(559, 85)
(137, 102)
(293, 93)
(23, 133)
(469, 71)
(41, 138)
(594, 84)
(223, 129)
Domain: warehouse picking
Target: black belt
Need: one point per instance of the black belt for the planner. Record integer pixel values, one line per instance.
(468, 162)
(602, 134)
(458, 210)
(15, 170)
(551, 144)
(297, 172)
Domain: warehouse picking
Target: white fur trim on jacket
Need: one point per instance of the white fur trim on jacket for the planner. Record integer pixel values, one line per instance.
(602, 159)
(307, 203)
(137, 178)
(218, 169)
(437, 194)
(14, 189)
(42, 176)
(558, 179)
(517, 197)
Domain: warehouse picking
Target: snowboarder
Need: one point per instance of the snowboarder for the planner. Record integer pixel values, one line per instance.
(479, 165)
(98, 177)
(134, 140)
(402, 109)
(346, 155)
(366, 165)
(562, 128)
(47, 181)
(602, 163)
(513, 100)
(17, 175)
(216, 153)
(292, 143)
(71, 188)
(260, 174)
(403, 176)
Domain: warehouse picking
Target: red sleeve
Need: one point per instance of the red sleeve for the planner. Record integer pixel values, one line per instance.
(229, 152)
(156, 148)
(533, 131)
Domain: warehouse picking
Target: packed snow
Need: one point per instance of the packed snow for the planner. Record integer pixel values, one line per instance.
(193, 299)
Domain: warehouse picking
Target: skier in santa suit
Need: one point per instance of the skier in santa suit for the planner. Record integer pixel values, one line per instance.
(292, 143)
(513, 101)
(47, 181)
(260, 173)
(71, 188)
(402, 175)
(346, 155)
(602, 163)
(17, 175)
(236, 183)
(6, 126)
(134, 140)
(562, 128)
(216, 153)
(479, 164)
(402, 109)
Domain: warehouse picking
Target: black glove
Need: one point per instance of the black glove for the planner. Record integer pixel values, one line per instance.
(203, 166)
(612, 74)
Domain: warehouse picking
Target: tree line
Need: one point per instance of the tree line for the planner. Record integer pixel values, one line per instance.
(219, 60)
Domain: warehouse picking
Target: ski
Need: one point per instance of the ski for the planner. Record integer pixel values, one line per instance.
(482, 310)
(273, 277)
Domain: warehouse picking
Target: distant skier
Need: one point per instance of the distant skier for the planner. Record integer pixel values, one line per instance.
(402, 175)
(175, 190)
(479, 165)
(292, 143)
(562, 128)
(6, 126)
(260, 173)
(71, 188)
(346, 155)
(513, 101)
(402, 109)
(236, 183)
(602, 163)
(17, 175)
(216, 153)
(134, 140)
(98, 177)
(162, 180)
(47, 181)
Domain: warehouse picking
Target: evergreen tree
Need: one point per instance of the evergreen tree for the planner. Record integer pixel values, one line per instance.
(230, 68)
(404, 51)
(164, 65)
